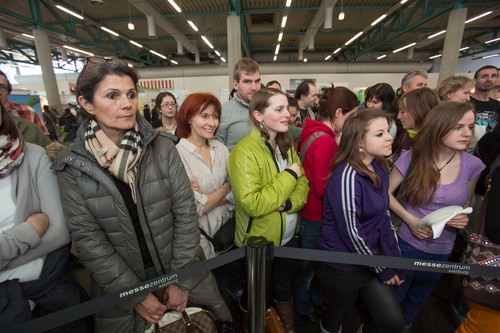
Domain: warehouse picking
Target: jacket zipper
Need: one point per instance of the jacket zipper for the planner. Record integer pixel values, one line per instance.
(277, 169)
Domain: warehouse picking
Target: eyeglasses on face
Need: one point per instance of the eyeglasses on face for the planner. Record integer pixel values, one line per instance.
(167, 105)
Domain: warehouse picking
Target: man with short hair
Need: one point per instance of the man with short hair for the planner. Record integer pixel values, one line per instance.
(274, 84)
(147, 113)
(413, 80)
(306, 95)
(235, 123)
(16, 109)
(71, 109)
(484, 80)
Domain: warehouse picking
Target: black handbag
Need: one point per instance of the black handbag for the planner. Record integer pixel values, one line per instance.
(223, 239)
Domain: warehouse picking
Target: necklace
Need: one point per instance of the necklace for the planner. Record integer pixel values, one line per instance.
(451, 159)
(172, 127)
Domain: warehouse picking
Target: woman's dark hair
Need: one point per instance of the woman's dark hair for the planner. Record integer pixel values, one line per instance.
(95, 71)
(260, 101)
(46, 108)
(193, 105)
(292, 102)
(385, 94)
(333, 98)
(159, 99)
(8, 126)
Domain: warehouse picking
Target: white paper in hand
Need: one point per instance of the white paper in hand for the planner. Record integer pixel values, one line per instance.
(438, 218)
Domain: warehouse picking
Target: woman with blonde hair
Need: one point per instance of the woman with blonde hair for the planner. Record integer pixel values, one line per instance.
(270, 188)
(443, 174)
(455, 88)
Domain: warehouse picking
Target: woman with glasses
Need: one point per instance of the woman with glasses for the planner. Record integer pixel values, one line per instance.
(166, 106)
(129, 205)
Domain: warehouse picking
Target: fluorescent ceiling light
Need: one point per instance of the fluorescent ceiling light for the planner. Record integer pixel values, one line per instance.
(277, 49)
(435, 56)
(222, 58)
(288, 3)
(217, 52)
(206, 41)
(382, 56)
(492, 40)
(135, 43)
(131, 26)
(354, 38)
(195, 28)
(158, 54)
(464, 48)
(70, 12)
(283, 22)
(436, 34)
(174, 62)
(379, 19)
(280, 36)
(29, 36)
(78, 50)
(328, 57)
(275, 57)
(478, 17)
(404, 1)
(404, 47)
(110, 31)
(491, 56)
(337, 50)
(13, 53)
(177, 8)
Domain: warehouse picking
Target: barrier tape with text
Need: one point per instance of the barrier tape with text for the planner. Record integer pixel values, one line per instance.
(82, 310)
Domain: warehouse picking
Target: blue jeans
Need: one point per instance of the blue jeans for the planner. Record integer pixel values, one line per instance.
(418, 284)
(305, 292)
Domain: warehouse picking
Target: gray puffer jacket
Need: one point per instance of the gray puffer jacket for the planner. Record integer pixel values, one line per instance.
(102, 229)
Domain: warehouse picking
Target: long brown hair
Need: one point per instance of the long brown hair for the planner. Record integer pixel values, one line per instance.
(354, 131)
(418, 103)
(260, 101)
(8, 126)
(420, 186)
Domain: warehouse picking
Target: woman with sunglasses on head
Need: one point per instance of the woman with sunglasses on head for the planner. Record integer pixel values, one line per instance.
(166, 107)
(34, 239)
(356, 220)
(443, 174)
(269, 187)
(128, 203)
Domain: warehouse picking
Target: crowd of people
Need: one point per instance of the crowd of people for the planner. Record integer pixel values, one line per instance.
(143, 196)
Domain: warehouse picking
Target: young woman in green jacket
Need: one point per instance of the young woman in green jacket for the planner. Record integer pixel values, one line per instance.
(270, 187)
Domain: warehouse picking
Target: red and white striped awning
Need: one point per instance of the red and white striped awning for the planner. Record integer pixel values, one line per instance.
(156, 84)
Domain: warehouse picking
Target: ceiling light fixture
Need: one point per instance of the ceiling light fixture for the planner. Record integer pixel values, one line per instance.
(491, 56)
(435, 56)
(277, 49)
(135, 43)
(464, 48)
(195, 28)
(342, 14)
(13, 53)
(130, 24)
(69, 12)
(177, 8)
(354, 38)
(337, 50)
(382, 56)
(174, 62)
(29, 36)
(217, 52)
(436, 34)
(158, 54)
(283, 22)
(328, 57)
(404, 1)
(492, 40)
(305, 59)
(379, 19)
(288, 3)
(78, 50)
(130, 65)
(478, 17)
(222, 58)
(275, 57)
(280, 36)
(207, 41)
(404, 47)
(110, 31)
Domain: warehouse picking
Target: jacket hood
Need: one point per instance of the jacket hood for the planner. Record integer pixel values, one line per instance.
(313, 126)
(54, 148)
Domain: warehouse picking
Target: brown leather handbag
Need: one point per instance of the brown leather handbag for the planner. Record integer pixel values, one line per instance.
(273, 322)
(201, 321)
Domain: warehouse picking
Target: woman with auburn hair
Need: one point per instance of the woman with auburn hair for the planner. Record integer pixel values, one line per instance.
(356, 220)
(443, 174)
(205, 162)
(166, 108)
(413, 108)
(336, 103)
(269, 187)
(455, 88)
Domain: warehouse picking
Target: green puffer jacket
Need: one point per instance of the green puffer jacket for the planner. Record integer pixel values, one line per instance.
(259, 189)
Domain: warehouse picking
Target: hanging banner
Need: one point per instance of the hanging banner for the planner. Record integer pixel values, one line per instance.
(157, 84)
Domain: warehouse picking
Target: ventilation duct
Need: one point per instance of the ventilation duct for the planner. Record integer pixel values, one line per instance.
(328, 18)
(180, 49)
(151, 27)
(3, 41)
(310, 47)
(64, 55)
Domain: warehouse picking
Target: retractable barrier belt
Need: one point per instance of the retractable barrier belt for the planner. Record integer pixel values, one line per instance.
(82, 310)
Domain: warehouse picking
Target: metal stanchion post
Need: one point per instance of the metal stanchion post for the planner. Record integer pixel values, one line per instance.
(256, 277)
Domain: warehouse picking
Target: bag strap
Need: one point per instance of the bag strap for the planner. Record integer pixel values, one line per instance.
(309, 142)
(210, 239)
(399, 196)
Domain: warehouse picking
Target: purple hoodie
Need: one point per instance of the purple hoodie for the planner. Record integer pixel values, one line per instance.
(356, 218)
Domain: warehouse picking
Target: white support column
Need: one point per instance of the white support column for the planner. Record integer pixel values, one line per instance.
(233, 45)
(44, 56)
(452, 43)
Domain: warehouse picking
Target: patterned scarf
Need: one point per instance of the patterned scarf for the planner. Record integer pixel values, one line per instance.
(11, 154)
(120, 161)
